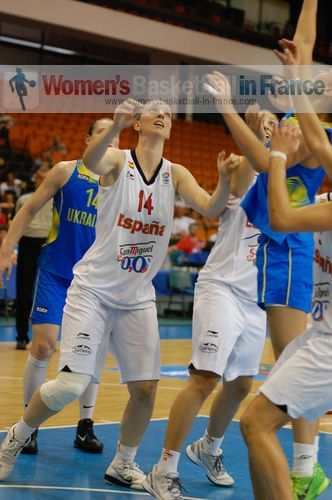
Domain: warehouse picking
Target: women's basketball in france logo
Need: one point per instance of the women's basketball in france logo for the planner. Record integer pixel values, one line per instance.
(21, 90)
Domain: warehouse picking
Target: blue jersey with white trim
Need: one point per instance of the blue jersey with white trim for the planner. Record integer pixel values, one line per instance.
(302, 184)
(74, 220)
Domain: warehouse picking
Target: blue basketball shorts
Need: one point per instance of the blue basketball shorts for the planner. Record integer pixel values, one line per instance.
(49, 298)
(285, 274)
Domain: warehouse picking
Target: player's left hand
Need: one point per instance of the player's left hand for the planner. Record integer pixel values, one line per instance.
(126, 113)
(227, 166)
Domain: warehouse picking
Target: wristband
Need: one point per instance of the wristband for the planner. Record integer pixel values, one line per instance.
(278, 154)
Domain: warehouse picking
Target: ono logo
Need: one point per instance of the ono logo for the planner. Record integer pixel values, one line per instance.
(139, 264)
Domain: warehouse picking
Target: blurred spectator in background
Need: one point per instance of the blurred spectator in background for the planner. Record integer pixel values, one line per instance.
(2, 167)
(3, 232)
(7, 205)
(181, 221)
(57, 150)
(6, 122)
(28, 251)
(11, 184)
(44, 160)
(188, 244)
(3, 217)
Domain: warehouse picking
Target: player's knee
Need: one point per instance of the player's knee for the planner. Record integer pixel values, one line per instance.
(241, 387)
(203, 383)
(249, 424)
(58, 393)
(43, 348)
(144, 392)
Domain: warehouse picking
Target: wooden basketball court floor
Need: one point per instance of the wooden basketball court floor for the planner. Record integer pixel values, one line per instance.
(61, 471)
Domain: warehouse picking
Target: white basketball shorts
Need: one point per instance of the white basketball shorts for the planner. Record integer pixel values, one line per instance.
(90, 329)
(301, 379)
(228, 332)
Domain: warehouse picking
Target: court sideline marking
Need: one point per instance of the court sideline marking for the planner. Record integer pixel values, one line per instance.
(93, 490)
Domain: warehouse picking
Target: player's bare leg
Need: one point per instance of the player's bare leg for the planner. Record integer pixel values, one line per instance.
(259, 425)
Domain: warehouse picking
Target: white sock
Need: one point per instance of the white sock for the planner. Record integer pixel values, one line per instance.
(125, 453)
(34, 376)
(23, 431)
(168, 462)
(88, 401)
(304, 459)
(211, 444)
(316, 443)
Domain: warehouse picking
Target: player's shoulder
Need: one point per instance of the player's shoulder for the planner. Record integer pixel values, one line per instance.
(65, 166)
(177, 168)
(61, 172)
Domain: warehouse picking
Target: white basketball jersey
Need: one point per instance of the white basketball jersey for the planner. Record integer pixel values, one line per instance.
(133, 228)
(321, 303)
(233, 258)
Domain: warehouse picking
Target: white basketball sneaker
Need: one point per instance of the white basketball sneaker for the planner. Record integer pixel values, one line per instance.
(125, 473)
(163, 486)
(212, 464)
(9, 451)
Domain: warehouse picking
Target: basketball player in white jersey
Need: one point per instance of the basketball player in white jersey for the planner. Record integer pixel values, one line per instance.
(66, 186)
(300, 384)
(228, 338)
(111, 299)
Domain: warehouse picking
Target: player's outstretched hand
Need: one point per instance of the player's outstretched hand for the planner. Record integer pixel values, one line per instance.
(227, 166)
(255, 119)
(126, 113)
(218, 85)
(285, 139)
(290, 57)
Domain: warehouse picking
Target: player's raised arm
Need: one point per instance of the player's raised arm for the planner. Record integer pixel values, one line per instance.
(305, 34)
(314, 135)
(57, 176)
(283, 217)
(251, 147)
(99, 157)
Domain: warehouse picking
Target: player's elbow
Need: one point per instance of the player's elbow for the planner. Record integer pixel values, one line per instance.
(317, 147)
(238, 191)
(279, 227)
(278, 222)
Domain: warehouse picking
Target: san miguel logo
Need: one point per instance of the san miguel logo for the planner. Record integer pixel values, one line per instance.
(136, 257)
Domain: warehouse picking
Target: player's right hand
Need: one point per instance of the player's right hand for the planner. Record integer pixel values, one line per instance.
(126, 113)
(291, 55)
(255, 119)
(221, 90)
(285, 139)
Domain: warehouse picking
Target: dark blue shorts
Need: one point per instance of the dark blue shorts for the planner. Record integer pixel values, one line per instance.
(49, 298)
(285, 275)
